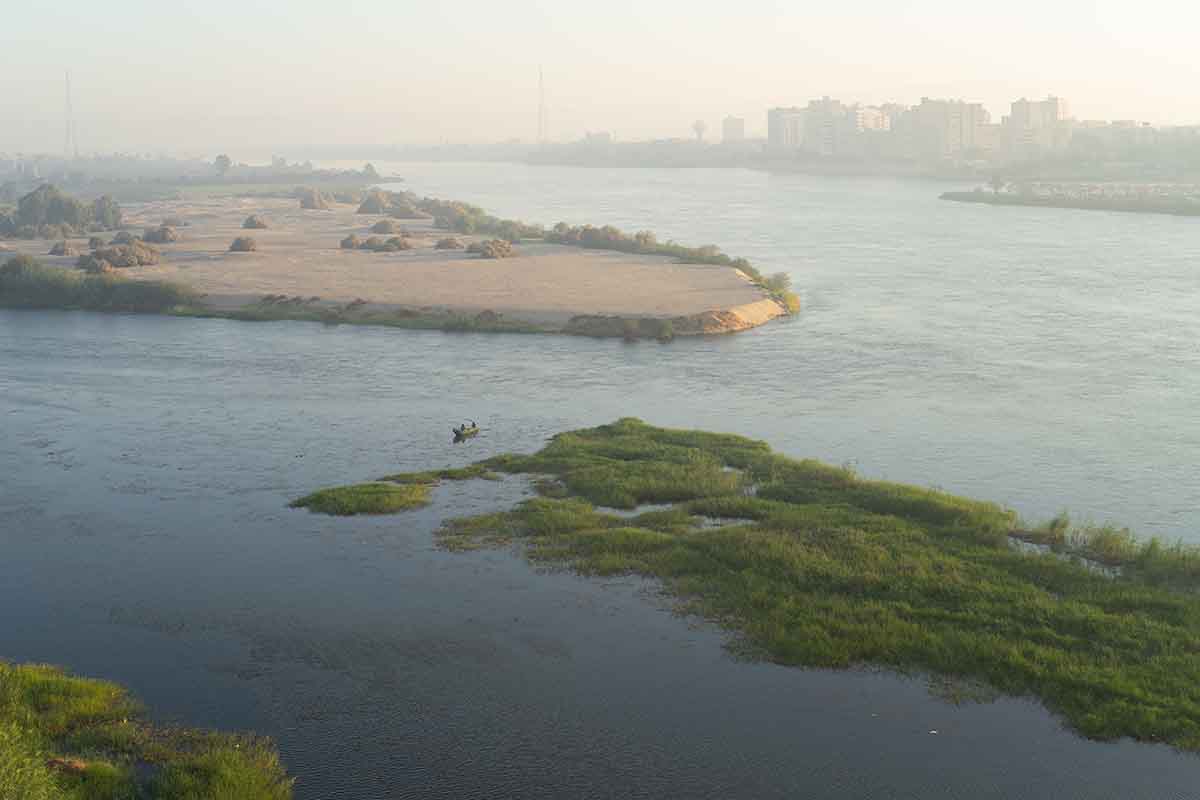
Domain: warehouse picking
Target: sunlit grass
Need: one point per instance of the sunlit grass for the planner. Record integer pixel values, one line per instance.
(74, 738)
(366, 498)
(825, 569)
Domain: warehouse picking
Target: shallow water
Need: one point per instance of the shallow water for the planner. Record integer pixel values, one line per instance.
(147, 464)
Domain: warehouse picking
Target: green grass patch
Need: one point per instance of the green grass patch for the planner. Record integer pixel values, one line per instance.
(366, 498)
(74, 738)
(826, 569)
(26, 283)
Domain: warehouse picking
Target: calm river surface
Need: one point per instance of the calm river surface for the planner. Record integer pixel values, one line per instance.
(1045, 359)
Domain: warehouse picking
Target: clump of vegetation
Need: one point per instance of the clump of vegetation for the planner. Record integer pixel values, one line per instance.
(312, 199)
(468, 219)
(68, 737)
(63, 249)
(390, 494)
(47, 208)
(394, 204)
(385, 226)
(449, 243)
(160, 235)
(26, 283)
(135, 254)
(124, 237)
(95, 242)
(243, 244)
(175, 222)
(351, 242)
(254, 222)
(492, 248)
(94, 266)
(366, 498)
(825, 569)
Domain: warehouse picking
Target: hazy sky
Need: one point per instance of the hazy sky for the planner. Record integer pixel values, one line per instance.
(244, 76)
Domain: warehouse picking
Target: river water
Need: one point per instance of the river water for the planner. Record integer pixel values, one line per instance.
(1042, 358)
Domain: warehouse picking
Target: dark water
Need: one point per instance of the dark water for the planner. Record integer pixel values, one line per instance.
(145, 465)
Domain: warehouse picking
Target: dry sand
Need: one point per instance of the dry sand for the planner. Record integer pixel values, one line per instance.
(299, 255)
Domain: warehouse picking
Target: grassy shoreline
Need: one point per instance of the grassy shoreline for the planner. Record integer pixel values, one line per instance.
(26, 283)
(809, 565)
(71, 738)
(1177, 208)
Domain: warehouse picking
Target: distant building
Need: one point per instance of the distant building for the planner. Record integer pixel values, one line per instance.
(785, 128)
(949, 129)
(825, 124)
(1037, 127)
(733, 130)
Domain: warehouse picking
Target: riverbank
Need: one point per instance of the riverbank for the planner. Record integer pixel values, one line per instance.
(809, 565)
(300, 269)
(72, 738)
(1151, 205)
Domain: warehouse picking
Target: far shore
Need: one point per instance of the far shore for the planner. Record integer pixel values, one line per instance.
(300, 271)
(1132, 205)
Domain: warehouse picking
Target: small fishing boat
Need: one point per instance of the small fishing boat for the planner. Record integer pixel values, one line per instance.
(465, 431)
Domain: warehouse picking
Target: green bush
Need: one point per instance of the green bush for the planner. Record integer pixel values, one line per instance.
(25, 283)
(160, 235)
(493, 248)
(243, 244)
(254, 222)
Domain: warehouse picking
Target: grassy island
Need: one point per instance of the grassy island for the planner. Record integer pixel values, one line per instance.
(381, 258)
(810, 565)
(69, 738)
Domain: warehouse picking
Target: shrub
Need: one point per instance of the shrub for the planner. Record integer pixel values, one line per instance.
(449, 243)
(371, 243)
(25, 283)
(312, 199)
(493, 248)
(106, 213)
(160, 235)
(95, 242)
(175, 222)
(254, 222)
(124, 237)
(243, 244)
(397, 243)
(63, 249)
(351, 242)
(374, 202)
(135, 254)
(46, 205)
(385, 226)
(94, 266)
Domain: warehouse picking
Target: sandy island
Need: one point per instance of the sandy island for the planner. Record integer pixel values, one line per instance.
(553, 287)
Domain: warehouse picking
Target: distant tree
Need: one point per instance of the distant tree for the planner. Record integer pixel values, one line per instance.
(106, 212)
(997, 183)
(222, 164)
(370, 173)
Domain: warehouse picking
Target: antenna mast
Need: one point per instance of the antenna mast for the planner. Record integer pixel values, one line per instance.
(541, 108)
(70, 142)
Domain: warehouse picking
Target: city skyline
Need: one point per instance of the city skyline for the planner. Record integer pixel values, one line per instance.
(372, 72)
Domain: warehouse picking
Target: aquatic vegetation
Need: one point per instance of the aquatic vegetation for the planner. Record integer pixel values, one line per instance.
(25, 283)
(63, 736)
(366, 498)
(389, 494)
(819, 567)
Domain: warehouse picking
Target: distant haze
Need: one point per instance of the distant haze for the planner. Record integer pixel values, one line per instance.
(245, 76)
